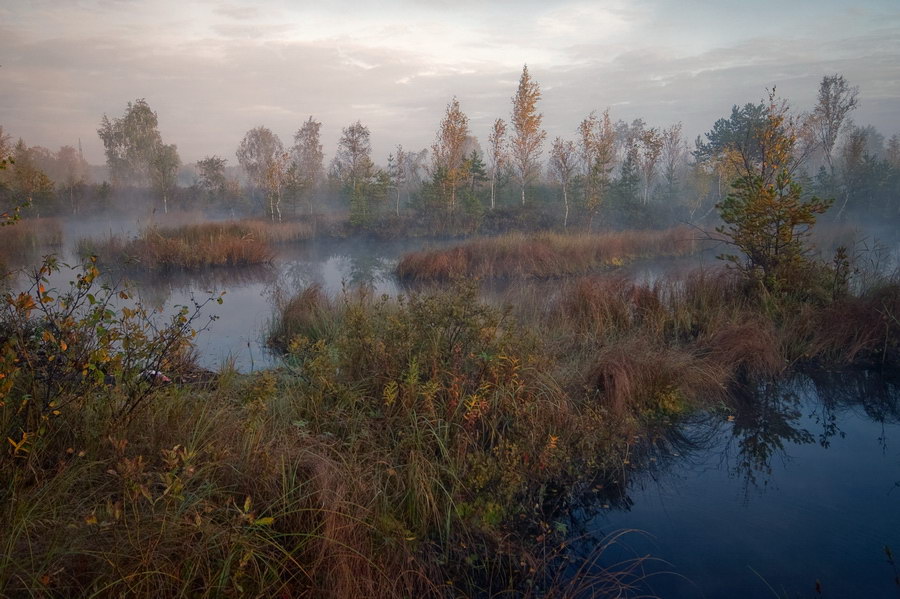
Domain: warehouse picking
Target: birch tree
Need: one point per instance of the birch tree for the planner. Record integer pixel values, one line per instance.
(308, 161)
(597, 149)
(353, 167)
(563, 163)
(448, 153)
(131, 143)
(498, 149)
(397, 165)
(260, 155)
(164, 172)
(835, 101)
(528, 137)
(650, 149)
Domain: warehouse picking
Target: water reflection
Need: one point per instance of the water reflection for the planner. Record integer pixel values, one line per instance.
(767, 418)
(795, 482)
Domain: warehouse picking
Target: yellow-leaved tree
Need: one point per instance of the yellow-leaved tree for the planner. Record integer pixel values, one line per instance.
(765, 215)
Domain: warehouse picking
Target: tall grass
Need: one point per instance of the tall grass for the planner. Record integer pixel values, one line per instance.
(26, 239)
(406, 447)
(231, 243)
(542, 255)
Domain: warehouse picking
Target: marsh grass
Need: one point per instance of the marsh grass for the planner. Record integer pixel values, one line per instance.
(542, 255)
(197, 246)
(24, 241)
(407, 446)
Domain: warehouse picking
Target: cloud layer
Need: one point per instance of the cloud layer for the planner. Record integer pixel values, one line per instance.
(213, 70)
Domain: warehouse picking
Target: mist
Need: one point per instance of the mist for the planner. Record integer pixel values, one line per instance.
(404, 299)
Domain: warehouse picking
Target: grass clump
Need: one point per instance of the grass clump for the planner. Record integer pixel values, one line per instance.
(229, 243)
(543, 255)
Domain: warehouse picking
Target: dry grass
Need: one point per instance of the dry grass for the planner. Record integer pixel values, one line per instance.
(233, 243)
(27, 238)
(855, 329)
(543, 255)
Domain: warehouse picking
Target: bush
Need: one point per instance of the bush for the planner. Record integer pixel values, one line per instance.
(82, 349)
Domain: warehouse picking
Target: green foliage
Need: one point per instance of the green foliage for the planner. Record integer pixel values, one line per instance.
(770, 224)
(131, 143)
(81, 349)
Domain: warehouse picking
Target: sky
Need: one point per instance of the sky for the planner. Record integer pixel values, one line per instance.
(212, 70)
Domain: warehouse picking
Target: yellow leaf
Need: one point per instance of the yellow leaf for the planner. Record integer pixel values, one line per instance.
(268, 521)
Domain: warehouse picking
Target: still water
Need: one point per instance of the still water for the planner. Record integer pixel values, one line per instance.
(796, 488)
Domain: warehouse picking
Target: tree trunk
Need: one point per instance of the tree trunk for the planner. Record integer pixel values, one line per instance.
(566, 201)
(493, 176)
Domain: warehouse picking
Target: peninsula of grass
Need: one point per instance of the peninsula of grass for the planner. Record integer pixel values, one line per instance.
(197, 246)
(542, 255)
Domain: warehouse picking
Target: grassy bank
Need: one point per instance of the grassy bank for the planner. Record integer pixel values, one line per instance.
(229, 243)
(405, 449)
(543, 255)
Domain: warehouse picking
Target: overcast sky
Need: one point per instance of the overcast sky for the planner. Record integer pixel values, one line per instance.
(213, 70)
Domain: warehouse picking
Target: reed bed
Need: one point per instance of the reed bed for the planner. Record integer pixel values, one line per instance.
(543, 255)
(190, 247)
(27, 238)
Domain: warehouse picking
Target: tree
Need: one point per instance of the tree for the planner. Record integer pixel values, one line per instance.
(131, 143)
(164, 171)
(212, 176)
(397, 165)
(734, 137)
(563, 156)
(28, 179)
(448, 153)
(261, 155)
(673, 155)
(766, 216)
(649, 151)
(836, 100)
(352, 166)
(276, 180)
(352, 163)
(596, 138)
(308, 160)
(498, 152)
(72, 173)
(525, 147)
(892, 153)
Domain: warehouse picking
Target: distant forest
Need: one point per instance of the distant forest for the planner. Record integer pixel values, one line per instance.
(608, 174)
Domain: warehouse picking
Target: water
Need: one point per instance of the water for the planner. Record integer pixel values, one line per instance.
(799, 483)
(237, 335)
(800, 487)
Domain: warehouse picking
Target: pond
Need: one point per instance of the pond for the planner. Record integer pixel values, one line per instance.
(798, 488)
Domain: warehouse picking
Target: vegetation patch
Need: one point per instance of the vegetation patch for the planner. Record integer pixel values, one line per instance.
(543, 255)
(229, 243)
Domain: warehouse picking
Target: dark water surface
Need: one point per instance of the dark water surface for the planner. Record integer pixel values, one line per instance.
(799, 485)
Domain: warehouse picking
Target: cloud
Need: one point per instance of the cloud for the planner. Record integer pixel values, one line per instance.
(212, 72)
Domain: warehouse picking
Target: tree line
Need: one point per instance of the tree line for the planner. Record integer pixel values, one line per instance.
(608, 172)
